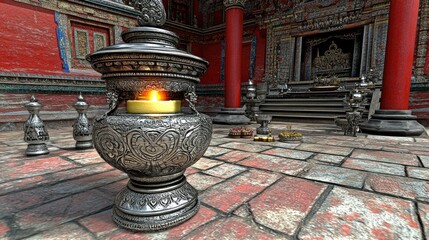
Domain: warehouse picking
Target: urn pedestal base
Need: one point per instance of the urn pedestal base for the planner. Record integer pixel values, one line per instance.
(84, 145)
(155, 206)
(36, 149)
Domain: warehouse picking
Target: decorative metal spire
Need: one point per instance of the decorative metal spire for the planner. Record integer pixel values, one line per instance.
(152, 12)
(35, 133)
(82, 130)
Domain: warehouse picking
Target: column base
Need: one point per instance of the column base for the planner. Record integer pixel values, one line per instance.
(232, 116)
(393, 123)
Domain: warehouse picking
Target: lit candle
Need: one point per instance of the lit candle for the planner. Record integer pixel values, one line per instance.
(153, 105)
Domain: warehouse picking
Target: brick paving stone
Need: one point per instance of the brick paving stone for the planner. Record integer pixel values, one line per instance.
(247, 147)
(190, 171)
(218, 141)
(390, 139)
(276, 164)
(99, 224)
(372, 147)
(422, 140)
(215, 151)
(204, 216)
(289, 153)
(205, 163)
(202, 181)
(24, 169)
(225, 170)
(4, 228)
(398, 186)
(352, 214)
(31, 182)
(235, 156)
(110, 190)
(424, 216)
(337, 175)
(389, 157)
(243, 211)
(420, 173)
(329, 158)
(84, 157)
(229, 195)
(60, 211)
(342, 143)
(67, 231)
(231, 228)
(372, 166)
(290, 144)
(343, 151)
(425, 161)
(421, 153)
(17, 201)
(283, 206)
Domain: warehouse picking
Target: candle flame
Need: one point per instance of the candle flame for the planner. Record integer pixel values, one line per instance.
(154, 95)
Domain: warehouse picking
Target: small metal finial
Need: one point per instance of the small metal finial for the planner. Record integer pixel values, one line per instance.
(82, 129)
(152, 12)
(35, 133)
(80, 97)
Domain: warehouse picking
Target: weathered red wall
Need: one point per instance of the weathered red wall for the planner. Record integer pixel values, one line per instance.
(260, 55)
(212, 53)
(28, 39)
(12, 105)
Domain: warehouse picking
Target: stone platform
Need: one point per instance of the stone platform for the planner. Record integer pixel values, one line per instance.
(329, 186)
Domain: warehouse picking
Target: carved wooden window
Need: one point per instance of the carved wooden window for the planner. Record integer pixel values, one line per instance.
(81, 42)
(87, 37)
(99, 41)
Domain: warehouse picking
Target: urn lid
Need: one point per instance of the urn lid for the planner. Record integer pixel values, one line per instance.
(148, 50)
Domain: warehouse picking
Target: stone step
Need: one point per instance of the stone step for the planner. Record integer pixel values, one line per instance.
(306, 110)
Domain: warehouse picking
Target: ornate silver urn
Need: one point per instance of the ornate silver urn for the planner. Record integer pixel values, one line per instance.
(153, 141)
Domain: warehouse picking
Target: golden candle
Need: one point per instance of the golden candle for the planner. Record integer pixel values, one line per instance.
(154, 105)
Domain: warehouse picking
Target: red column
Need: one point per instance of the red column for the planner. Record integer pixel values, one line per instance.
(401, 37)
(233, 55)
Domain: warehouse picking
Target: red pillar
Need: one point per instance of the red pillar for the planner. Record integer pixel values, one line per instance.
(401, 39)
(233, 53)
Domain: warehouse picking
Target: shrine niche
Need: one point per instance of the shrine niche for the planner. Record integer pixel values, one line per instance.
(332, 54)
(181, 11)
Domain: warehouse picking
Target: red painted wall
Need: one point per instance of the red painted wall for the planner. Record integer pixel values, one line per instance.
(28, 39)
(260, 55)
(212, 53)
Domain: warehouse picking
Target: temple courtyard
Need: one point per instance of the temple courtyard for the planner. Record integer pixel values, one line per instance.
(329, 186)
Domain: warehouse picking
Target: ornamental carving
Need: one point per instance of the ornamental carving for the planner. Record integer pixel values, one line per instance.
(332, 61)
(152, 12)
(234, 3)
(157, 202)
(145, 146)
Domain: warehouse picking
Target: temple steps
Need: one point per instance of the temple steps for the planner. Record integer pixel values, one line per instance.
(317, 109)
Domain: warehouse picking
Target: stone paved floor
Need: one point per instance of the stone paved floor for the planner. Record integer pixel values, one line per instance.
(329, 186)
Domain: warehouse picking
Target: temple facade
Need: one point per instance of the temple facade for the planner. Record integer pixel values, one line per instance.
(44, 45)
